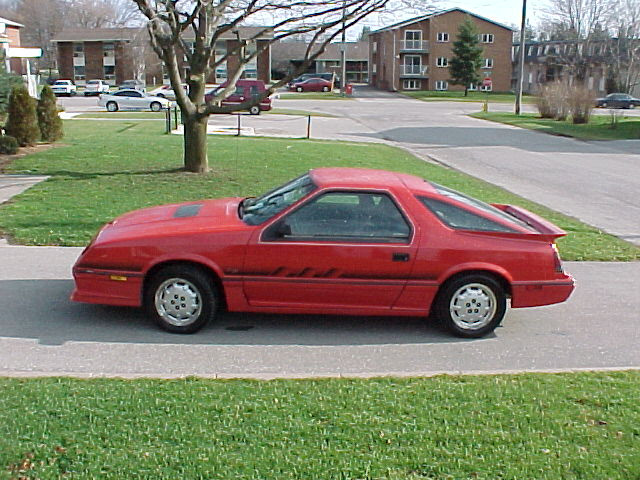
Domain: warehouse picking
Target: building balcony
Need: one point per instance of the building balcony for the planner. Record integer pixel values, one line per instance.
(414, 46)
(414, 71)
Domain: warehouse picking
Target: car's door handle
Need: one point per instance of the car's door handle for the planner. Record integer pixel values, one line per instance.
(400, 257)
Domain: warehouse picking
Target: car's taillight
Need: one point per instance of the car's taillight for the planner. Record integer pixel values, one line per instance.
(557, 263)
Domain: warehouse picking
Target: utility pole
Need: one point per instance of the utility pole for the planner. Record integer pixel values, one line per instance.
(343, 52)
(522, 52)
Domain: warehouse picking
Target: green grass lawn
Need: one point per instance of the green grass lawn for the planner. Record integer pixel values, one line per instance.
(598, 128)
(496, 97)
(108, 168)
(161, 115)
(531, 426)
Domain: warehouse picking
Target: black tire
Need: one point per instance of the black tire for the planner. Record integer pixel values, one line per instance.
(155, 106)
(325, 89)
(187, 289)
(112, 107)
(483, 292)
(604, 105)
(255, 110)
(299, 89)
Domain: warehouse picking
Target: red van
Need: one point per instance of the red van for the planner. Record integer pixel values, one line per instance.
(245, 89)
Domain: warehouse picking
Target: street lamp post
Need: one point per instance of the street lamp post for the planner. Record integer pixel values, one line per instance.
(522, 52)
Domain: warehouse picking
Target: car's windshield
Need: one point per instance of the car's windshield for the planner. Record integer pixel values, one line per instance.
(485, 207)
(255, 211)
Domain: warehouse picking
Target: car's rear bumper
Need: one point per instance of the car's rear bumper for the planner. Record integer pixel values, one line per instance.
(108, 287)
(535, 294)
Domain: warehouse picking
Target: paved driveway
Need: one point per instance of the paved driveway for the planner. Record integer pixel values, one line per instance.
(43, 333)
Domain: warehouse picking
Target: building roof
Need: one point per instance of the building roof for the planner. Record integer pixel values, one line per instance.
(128, 33)
(10, 23)
(96, 34)
(437, 14)
(296, 50)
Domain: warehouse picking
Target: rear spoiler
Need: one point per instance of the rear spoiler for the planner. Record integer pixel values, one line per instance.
(547, 230)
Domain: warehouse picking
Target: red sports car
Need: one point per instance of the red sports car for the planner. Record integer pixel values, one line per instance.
(333, 241)
(311, 85)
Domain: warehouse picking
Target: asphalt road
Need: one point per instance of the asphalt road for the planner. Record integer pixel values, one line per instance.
(43, 333)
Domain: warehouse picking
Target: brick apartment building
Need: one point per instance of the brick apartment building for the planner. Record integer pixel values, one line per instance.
(118, 54)
(414, 54)
(548, 60)
(15, 55)
(288, 55)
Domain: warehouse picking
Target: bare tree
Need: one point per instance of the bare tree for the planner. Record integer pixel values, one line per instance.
(172, 22)
(624, 46)
(102, 13)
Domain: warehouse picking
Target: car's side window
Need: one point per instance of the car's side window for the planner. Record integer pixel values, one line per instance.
(345, 217)
(459, 218)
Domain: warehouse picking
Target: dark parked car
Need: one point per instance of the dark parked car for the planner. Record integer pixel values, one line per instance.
(324, 75)
(618, 100)
(245, 89)
(312, 85)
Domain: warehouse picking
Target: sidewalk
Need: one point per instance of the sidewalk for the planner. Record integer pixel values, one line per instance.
(12, 185)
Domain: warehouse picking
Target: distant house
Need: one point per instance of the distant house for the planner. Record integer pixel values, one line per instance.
(415, 54)
(549, 60)
(16, 56)
(118, 54)
(289, 55)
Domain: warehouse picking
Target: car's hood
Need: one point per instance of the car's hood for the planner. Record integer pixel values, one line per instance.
(176, 218)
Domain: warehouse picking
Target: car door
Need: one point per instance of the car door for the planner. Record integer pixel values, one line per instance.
(341, 249)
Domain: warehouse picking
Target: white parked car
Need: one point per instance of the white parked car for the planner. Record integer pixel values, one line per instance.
(96, 87)
(64, 87)
(132, 100)
(166, 91)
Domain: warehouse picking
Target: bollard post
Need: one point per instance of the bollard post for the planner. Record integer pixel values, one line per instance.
(238, 124)
(175, 114)
(308, 127)
(168, 121)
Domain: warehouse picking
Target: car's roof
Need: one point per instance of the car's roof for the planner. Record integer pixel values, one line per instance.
(368, 178)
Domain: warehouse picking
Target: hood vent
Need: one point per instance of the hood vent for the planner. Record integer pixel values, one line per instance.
(187, 211)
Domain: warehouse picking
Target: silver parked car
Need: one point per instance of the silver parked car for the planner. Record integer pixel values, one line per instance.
(132, 100)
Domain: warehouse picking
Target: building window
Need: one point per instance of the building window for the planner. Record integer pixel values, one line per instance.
(411, 84)
(488, 63)
(78, 50)
(78, 72)
(486, 37)
(443, 37)
(472, 87)
(373, 67)
(413, 39)
(108, 49)
(375, 47)
(442, 85)
(487, 88)
(442, 62)
(109, 72)
(412, 65)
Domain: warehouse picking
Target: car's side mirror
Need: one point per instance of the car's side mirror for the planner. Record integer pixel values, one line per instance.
(283, 230)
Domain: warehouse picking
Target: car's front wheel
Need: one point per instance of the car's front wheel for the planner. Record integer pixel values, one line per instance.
(299, 89)
(181, 299)
(156, 106)
(112, 107)
(471, 306)
(325, 89)
(254, 110)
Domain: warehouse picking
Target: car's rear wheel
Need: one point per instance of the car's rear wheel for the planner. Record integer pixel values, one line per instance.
(255, 110)
(604, 105)
(299, 89)
(112, 106)
(471, 306)
(156, 106)
(325, 89)
(181, 299)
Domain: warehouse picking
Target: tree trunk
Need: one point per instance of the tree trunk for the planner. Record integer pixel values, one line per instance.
(195, 144)
(466, 90)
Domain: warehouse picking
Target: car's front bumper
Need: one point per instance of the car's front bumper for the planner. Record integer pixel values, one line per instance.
(108, 287)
